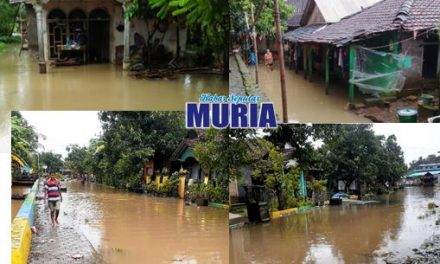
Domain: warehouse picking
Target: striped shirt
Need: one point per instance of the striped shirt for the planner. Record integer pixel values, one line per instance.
(53, 189)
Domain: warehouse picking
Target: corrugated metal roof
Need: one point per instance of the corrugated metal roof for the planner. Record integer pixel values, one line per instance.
(299, 6)
(334, 10)
(417, 174)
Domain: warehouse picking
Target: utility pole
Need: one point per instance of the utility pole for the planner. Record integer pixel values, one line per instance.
(281, 55)
(254, 41)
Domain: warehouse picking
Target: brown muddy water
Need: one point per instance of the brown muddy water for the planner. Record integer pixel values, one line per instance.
(307, 101)
(134, 228)
(94, 86)
(16, 204)
(346, 234)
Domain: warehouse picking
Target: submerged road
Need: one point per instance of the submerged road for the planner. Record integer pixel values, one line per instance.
(307, 101)
(343, 234)
(105, 225)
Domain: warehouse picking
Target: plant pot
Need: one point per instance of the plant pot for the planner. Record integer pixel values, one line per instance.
(427, 99)
(202, 202)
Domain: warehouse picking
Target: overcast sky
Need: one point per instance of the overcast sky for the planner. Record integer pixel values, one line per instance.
(62, 128)
(415, 139)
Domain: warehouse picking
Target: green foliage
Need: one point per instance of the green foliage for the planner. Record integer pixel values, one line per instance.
(355, 153)
(197, 191)
(53, 161)
(24, 138)
(210, 19)
(7, 17)
(10, 39)
(76, 157)
(263, 13)
(281, 183)
(223, 153)
(130, 139)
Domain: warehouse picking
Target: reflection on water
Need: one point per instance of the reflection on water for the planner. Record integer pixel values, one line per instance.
(92, 87)
(347, 234)
(307, 101)
(16, 204)
(131, 228)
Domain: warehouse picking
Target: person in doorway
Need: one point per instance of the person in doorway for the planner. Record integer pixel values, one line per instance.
(268, 59)
(53, 197)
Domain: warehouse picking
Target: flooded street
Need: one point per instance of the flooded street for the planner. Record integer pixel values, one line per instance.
(342, 234)
(16, 204)
(95, 86)
(132, 228)
(307, 101)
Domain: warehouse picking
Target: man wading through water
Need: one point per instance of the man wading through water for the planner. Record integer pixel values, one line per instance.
(52, 196)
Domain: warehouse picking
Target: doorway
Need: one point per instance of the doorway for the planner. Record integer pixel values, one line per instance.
(99, 36)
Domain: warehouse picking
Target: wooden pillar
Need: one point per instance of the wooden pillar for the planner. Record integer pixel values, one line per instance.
(126, 60)
(352, 61)
(304, 50)
(327, 68)
(310, 62)
(295, 57)
(41, 60)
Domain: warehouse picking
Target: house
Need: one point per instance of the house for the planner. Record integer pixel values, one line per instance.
(183, 157)
(99, 27)
(426, 174)
(390, 45)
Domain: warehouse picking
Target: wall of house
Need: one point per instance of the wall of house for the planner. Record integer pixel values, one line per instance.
(31, 27)
(315, 17)
(115, 11)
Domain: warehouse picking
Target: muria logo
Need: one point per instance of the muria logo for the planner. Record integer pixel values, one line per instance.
(222, 115)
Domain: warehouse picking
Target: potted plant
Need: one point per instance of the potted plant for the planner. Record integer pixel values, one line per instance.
(198, 194)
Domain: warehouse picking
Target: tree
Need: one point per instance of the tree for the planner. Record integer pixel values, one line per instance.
(211, 16)
(8, 12)
(223, 153)
(263, 13)
(24, 138)
(298, 137)
(52, 160)
(280, 182)
(131, 138)
(76, 157)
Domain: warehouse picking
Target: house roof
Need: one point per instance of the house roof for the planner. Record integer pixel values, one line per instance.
(334, 10)
(299, 34)
(300, 6)
(387, 15)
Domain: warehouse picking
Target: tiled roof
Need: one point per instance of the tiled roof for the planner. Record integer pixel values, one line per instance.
(299, 34)
(387, 15)
(300, 6)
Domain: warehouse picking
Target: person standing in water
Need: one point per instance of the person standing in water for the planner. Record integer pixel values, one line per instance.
(53, 197)
(268, 59)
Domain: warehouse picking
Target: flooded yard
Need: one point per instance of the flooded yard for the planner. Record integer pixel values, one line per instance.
(133, 228)
(342, 234)
(307, 101)
(94, 86)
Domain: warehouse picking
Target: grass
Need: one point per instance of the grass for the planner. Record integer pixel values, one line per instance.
(5, 40)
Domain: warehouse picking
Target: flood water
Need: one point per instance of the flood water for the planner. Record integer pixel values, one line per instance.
(16, 204)
(307, 101)
(342, 234)
(133, 228)
(95, 86)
